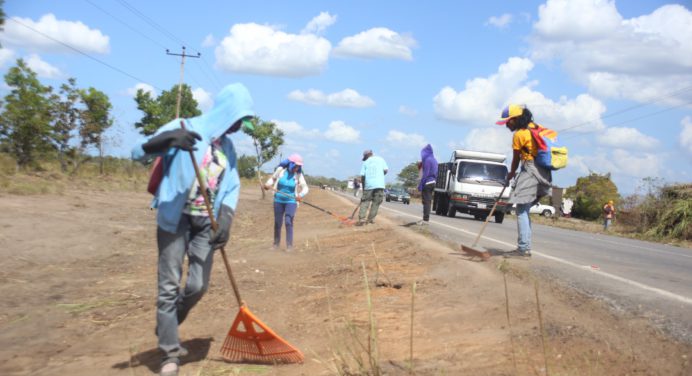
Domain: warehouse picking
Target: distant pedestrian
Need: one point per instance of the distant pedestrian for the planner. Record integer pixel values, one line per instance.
(372, 174)
(356, 187)
(608, 215)
(533, 181)
(427, 180)
(290, 187)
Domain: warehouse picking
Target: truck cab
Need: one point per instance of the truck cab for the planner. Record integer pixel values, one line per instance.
(470, 183)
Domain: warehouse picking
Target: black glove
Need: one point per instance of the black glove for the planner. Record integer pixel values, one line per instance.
(178, 138)
(223, 232)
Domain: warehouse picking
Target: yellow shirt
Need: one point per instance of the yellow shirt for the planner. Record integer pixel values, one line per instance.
(524, 142)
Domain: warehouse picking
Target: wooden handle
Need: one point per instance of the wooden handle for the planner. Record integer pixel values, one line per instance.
(214, 223)
(492, 211)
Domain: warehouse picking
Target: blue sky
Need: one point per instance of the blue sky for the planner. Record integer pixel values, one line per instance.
(614, 78)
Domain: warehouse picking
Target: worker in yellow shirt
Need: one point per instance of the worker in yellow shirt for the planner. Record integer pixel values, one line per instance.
(533, 181)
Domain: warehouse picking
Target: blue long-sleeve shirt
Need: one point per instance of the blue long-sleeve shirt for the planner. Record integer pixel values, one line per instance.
(231, 104)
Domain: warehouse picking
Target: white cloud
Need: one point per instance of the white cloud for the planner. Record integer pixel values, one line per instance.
(643, 58)
(494, 140)
(627, 138)
(340, 132)
(42, 68)
(377, 43)
(265, 50)
(482, 100)
(209, 41)
(6, 55)
(344, 98)
(203, 98)
(73, 33)
(408, 111)
(686, 134)
(292, 128)
(145, 87)
(401, 139)
(500, 22)
(320, 23)
(622, 163)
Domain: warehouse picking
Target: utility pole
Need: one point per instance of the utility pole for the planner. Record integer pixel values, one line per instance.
(183, 55)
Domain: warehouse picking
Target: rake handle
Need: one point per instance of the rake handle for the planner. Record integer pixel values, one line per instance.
(487, 219)
(214, 224)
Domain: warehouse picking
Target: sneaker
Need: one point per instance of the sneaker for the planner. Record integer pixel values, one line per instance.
(423, 223)
(169, 369)
(289, 248)
(360, 223)
(371, 221)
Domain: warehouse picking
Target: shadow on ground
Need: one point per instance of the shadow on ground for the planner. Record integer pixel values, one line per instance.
(198, 350)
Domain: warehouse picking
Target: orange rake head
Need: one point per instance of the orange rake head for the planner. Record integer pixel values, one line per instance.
(250, 341)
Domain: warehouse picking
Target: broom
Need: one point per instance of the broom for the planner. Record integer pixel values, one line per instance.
(472, 250)
(249, 339)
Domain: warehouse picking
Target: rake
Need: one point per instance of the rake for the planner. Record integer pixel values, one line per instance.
(249, 339)
(344, 220)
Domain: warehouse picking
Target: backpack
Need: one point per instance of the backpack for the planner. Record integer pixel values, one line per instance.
(551, 154)
(155, 176)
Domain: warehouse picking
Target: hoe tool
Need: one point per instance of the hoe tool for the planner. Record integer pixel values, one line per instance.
(249, 339)
(472, 250)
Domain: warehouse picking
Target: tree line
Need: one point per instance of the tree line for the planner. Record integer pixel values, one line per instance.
(39, 122)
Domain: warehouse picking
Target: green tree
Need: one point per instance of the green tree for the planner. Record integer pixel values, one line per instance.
(247, 165)
(25, 123)
(161, 110)
(267, 138)
(409, 176)
(96, 119)
(590, 193)
(66, 116)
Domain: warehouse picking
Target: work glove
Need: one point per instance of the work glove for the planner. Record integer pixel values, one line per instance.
(223, 231)
(177, 138)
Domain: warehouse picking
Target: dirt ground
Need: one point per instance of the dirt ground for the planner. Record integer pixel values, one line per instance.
(78, 285)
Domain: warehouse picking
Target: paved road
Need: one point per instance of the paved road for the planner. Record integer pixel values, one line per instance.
(642, 278)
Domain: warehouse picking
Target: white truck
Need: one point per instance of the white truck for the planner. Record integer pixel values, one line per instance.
(470, 183)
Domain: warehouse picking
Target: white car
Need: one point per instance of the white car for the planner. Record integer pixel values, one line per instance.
(544, 210)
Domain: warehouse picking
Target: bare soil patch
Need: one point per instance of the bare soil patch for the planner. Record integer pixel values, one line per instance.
(78, 280)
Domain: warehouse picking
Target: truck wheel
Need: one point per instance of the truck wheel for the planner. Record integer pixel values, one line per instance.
(546, 213)
(451, 210)
(499, 217)
(440, 205)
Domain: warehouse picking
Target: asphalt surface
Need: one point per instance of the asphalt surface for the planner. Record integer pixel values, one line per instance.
(635, 277)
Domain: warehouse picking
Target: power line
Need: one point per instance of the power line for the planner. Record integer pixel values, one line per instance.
(83, 53)
(641, 117)
(151, 22)
(125, 24)
(634, 107)
(215, 81)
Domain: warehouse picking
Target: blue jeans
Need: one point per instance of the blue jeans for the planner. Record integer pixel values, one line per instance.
(284, 213)
(523, 227)
(606, 223)
(172, 306)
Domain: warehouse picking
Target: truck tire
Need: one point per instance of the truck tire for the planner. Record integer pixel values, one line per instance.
(499, 217)
(441, 205)
(451, 210)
